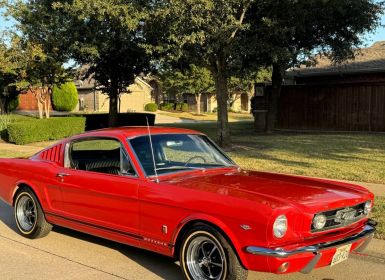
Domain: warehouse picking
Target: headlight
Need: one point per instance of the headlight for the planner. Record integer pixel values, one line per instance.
(280, 226)
(319, 221)
(368, 207)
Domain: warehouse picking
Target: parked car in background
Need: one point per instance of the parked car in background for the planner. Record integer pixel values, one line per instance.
(174, 192)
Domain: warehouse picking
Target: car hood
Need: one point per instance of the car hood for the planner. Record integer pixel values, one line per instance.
(307, 194)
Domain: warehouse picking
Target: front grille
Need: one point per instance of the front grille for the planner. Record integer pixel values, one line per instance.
(342, 217)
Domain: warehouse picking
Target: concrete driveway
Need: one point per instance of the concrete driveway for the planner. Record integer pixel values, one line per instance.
(65, 254)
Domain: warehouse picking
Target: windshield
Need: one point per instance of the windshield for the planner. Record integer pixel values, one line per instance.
(178, 152)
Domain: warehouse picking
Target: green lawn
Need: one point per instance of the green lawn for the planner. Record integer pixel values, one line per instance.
(347, 156)
(233, 117)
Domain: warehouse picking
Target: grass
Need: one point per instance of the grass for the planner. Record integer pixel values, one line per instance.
(379, 216)
(233, 117)
(347, 156)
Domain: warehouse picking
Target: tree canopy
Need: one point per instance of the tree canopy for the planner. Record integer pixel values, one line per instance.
(288, 33)
(204, 33)
(106, 36)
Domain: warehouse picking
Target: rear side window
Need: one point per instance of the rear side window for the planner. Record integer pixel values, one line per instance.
(101, 156)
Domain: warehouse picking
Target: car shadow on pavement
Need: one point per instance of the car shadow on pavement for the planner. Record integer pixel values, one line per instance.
(6, 215)
(163, 266)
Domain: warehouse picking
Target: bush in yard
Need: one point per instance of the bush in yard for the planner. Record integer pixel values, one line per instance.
(167, 106)
(151, 107)
(5, 120)
(184, 107)
(13, 104)
(36, 130)
(65, 97)
(181, 107)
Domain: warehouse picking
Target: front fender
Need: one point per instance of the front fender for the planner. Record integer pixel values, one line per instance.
(217, 222)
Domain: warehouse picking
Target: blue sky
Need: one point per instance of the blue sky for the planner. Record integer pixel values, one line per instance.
(378, 35)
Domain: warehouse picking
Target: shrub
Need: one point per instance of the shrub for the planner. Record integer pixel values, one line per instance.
(35, 130)
(5, 120)
(151, 107)
(13, 104)
(184, 107)
(65, 97)
(167, 106)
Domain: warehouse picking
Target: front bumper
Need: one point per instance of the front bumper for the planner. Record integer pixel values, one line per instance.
(365, 235)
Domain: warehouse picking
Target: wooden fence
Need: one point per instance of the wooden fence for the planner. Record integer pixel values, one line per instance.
(347, 107)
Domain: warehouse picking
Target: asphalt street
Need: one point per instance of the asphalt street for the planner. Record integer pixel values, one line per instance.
(66, 254)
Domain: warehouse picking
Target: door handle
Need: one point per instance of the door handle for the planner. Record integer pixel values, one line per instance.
(61, 176)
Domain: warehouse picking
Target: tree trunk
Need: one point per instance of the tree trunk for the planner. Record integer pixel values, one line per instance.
(198, 100)
(232, 101)
(277, 80)
(222, 93)
(47, 105)
(3, 106)
(113, 111)
(40, 108)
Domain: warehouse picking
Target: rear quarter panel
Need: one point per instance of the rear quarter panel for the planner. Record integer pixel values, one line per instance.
(40, 176)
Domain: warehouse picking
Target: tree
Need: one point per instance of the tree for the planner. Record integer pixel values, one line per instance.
(8, 74)
(42, 45)
(288, 33)
(194, 80)
(204, 33)
(106, 36)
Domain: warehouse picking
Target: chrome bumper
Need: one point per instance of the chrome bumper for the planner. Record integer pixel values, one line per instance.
(367, 232)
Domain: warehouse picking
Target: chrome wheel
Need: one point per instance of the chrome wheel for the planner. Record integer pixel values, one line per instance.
(26, 214)
(205, 259)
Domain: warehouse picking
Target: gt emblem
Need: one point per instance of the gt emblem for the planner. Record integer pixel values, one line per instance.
(246, 227)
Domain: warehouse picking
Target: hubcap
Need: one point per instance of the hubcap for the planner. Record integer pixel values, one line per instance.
(205, 259)
(26, 213)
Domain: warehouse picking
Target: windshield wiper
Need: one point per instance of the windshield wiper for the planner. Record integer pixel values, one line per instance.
(180, 167)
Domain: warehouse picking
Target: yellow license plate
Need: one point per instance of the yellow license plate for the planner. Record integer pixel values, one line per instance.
(341, 254)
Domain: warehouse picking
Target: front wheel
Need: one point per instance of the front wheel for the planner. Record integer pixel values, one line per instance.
(29, 216)
(206, 254)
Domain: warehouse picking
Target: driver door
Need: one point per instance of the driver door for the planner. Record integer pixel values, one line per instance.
(100, 186)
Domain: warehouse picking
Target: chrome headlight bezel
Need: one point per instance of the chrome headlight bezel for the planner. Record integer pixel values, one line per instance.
(280, 226)
(319, 221)
(368, 207)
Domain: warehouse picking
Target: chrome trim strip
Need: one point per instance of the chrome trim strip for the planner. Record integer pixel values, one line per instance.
(281, 253)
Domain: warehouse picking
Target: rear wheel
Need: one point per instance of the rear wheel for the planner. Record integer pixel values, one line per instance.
(206, 254)
(29, 216)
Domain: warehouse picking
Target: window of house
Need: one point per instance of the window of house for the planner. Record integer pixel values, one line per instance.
(100, 155)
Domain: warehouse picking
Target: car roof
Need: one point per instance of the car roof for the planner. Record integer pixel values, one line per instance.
(134, 131)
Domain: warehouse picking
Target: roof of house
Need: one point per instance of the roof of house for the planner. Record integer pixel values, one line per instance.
(368, 60)
(90, 83)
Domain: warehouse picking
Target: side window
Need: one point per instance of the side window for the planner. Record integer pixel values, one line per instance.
(100, 155)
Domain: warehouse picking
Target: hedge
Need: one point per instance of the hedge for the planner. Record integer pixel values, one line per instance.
(151, 107)
(13, 104)
(98, 121)
(181, 107)
(167, 106)
(36, 130)
(65, 97)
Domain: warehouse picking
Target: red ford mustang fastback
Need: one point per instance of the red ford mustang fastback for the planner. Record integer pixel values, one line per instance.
(173, 191)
